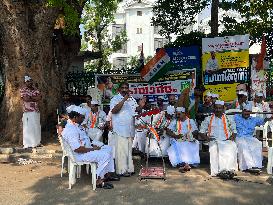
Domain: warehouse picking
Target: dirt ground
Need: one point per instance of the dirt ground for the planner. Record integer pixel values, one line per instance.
(41, 184)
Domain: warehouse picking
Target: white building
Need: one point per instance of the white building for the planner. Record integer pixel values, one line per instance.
(135, 17)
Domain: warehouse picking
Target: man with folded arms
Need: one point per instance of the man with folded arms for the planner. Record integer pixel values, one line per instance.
(249, 147)
(220, 130)
(184, 149)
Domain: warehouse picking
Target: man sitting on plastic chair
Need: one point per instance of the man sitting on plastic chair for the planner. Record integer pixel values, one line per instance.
(85, 151)
(249, 147)
(184, 149)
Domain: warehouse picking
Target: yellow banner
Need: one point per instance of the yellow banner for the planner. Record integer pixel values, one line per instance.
(225, 60)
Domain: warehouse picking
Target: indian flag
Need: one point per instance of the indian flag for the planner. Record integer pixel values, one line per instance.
(156, 67)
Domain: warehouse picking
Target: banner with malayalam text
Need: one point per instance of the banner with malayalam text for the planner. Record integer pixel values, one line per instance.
(172, 83)
(225, 64)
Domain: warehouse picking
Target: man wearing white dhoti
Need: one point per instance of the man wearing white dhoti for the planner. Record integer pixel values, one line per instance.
(31, 115)
(161, 121)
(84, 150)
(249, 147)
(123, 108)
(141, 131)
(95, 121)
(184, 149)
(221, 131)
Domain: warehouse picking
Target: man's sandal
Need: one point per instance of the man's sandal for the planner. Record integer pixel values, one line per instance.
(105, 185)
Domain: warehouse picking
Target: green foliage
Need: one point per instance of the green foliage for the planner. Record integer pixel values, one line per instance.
(96, 18)
(175, 15)
(255, 19)
(71, 15)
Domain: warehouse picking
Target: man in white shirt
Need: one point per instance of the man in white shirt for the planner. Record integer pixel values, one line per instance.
(259, 105)
(85, 151)
(123, 108)
(221, 131)
(212, 63)
(95, 121)
(184, 149)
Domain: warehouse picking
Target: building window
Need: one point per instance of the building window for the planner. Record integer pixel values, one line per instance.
(157, 29)
(117, 29)
(160, 43)
(139, 30)
(139, 13)
(120, 62)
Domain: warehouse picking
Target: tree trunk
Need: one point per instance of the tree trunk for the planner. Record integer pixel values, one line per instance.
(27, 47)
(214, 17)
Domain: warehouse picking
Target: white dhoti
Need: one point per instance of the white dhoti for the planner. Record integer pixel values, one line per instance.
(249, 152)
(184, 152)
(31, 129)
(123, 160)
(103, 158)
(223, 156)
(112, 142)
(140, 140)
(154, 149)
(95, 134)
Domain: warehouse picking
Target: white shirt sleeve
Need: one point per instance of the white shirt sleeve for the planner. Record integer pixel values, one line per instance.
(114, 101)
(172, 125)
(232, 124)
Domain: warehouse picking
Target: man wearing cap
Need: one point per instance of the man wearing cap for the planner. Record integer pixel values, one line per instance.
(220, 130)
(161, 121)
(241, 101)
(259, 105)
(184, 149)
(31, 115)
(123, 108)
(95, 121)
(87, 152)
(249, 147)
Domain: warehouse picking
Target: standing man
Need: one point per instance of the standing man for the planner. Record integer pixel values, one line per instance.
(123, 107)
(31, 115)
(95, 121)
(221, 131)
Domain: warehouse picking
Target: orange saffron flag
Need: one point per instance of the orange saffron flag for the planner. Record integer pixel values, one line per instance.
(260, 62)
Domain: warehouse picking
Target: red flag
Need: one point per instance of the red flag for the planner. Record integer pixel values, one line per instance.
(260, 62)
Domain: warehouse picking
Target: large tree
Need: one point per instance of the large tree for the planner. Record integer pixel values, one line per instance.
(30, 44)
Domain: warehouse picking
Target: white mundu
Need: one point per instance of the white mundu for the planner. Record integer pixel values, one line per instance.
(159, 122)
(124, 129)
(94, 123)
(223, 152)
(75, 138)
(141, 133)
(181, 150)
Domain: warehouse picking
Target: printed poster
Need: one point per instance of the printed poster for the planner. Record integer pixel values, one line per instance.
(225, 64)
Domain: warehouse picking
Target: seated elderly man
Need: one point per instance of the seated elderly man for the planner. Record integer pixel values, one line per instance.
(221, 131)
(85, 150)
(184, 149)
(95, 121)
(249, 147)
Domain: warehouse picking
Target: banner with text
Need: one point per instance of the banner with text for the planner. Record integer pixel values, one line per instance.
(225, 64)
(171, 83)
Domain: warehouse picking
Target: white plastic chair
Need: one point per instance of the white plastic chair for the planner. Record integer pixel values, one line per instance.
(75, 167)
(64, 155)
(267, 125)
